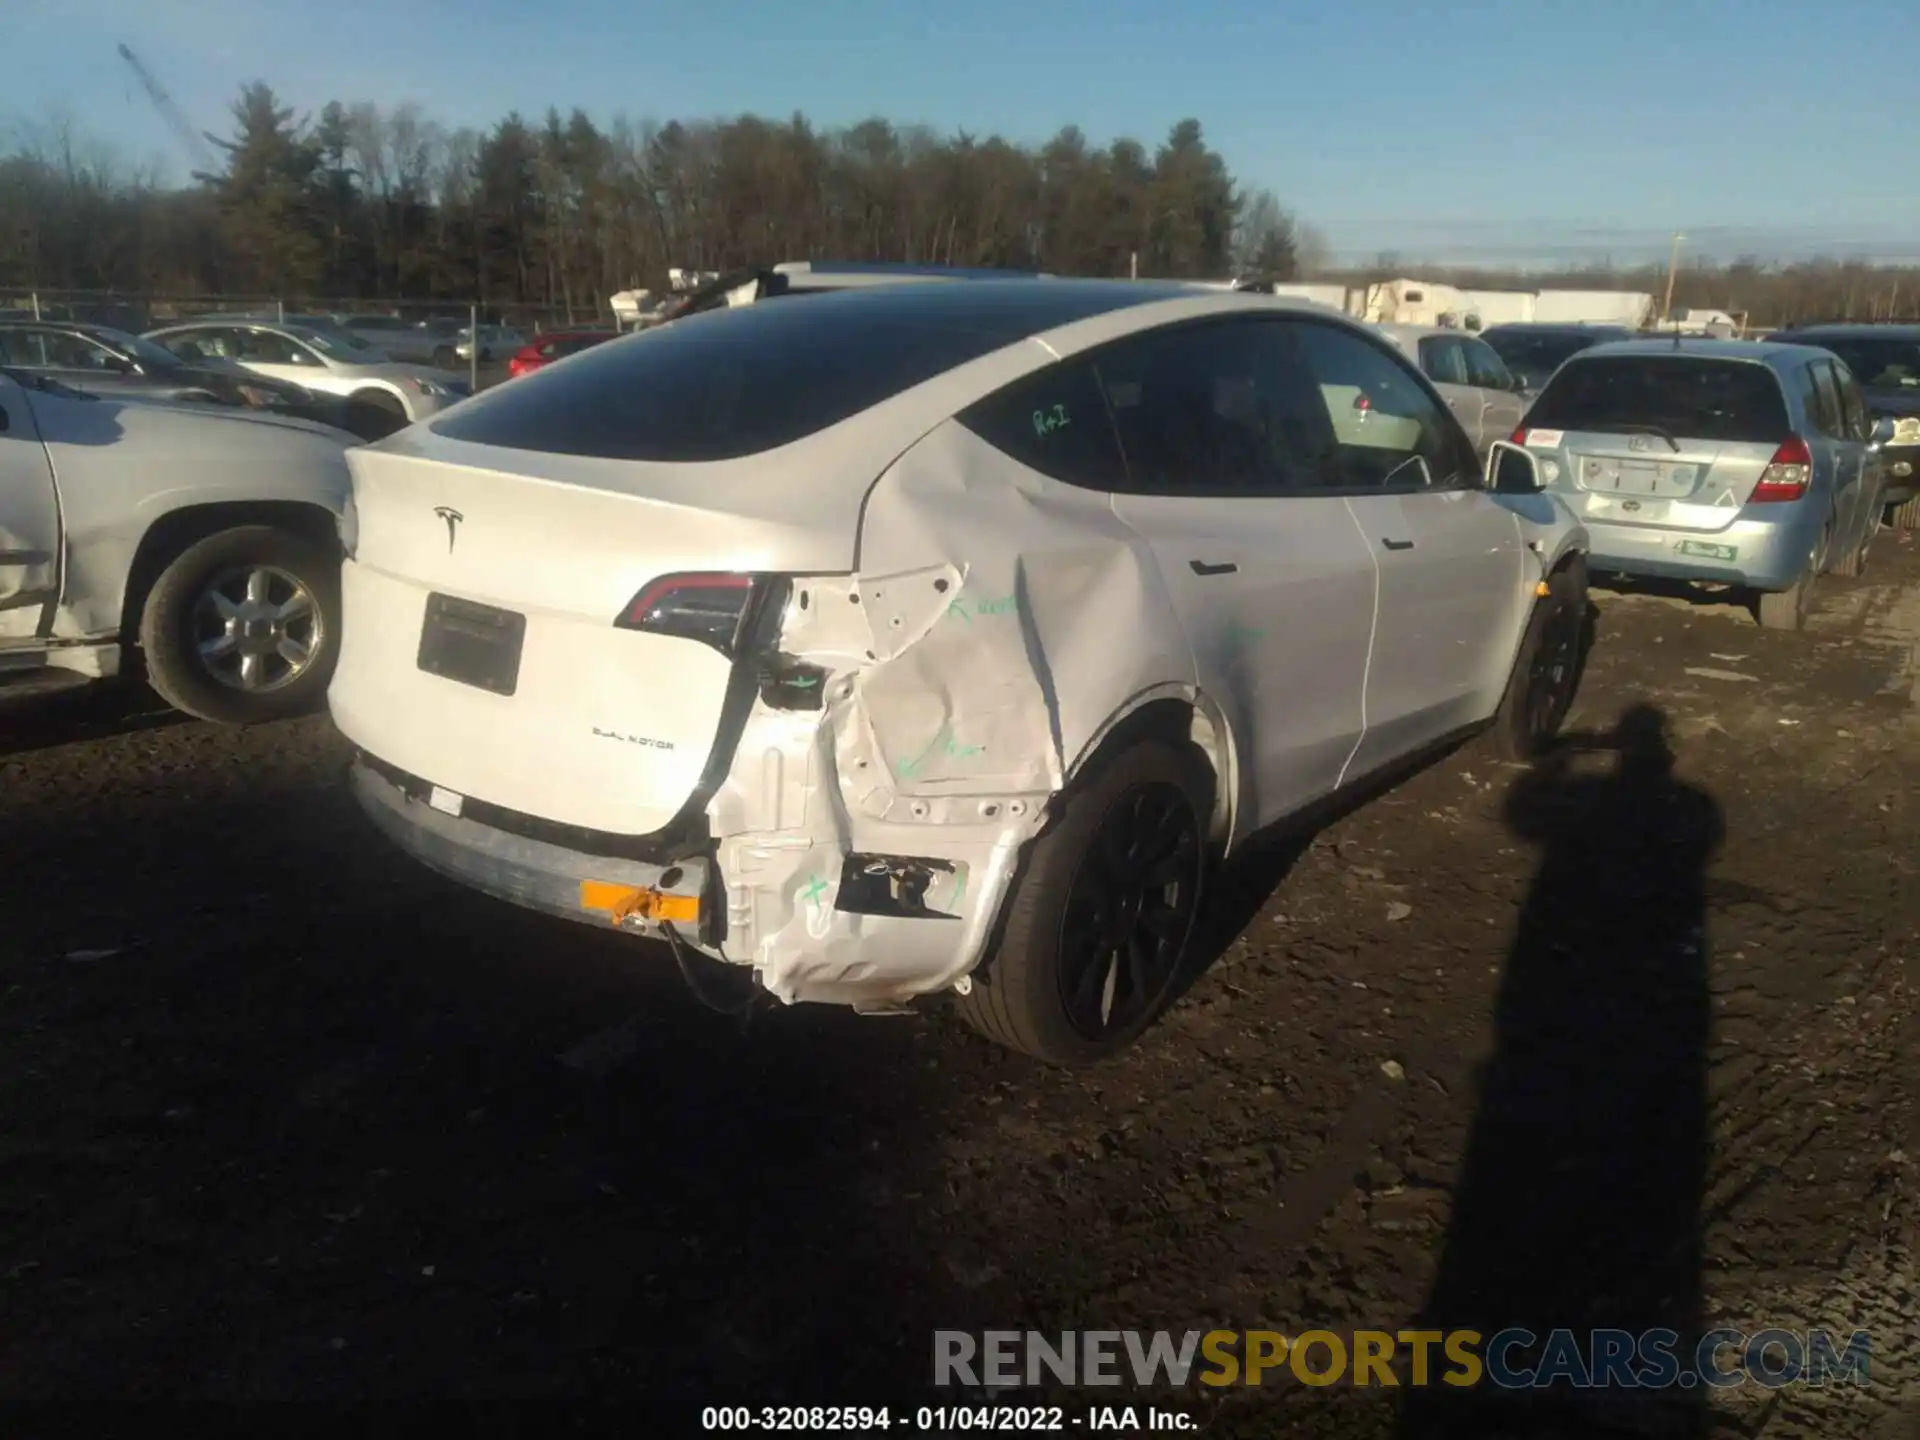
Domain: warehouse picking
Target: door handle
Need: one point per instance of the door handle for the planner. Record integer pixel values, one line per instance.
(1200, 567)
(1396, 544)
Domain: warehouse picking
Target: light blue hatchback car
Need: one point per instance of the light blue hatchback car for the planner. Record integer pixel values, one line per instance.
(1751, 464)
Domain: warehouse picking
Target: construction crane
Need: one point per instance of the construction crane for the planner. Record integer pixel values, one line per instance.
(194, 140)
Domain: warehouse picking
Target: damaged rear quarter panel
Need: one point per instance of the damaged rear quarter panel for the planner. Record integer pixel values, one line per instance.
(998, 621)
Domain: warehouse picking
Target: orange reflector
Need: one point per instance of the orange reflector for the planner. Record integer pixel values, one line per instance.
(1543, 589)
(622, 901)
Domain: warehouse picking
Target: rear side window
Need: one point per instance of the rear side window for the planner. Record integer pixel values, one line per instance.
(1826, 400)
(745, 380)
(1853, 405)
(1688, 396)
(1056, 422)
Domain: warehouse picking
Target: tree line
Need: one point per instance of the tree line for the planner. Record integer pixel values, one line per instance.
(377, 205)
(381, 204)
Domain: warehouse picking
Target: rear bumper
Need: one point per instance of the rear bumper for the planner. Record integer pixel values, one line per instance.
(785, 920)
(1767, 554)
(531, 873)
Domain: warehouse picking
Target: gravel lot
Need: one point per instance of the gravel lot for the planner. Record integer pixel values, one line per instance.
(285, 1116)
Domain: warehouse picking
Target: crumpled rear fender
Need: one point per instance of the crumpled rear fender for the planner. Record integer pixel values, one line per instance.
(920, 716)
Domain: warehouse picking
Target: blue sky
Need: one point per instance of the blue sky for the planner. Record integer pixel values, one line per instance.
(1499, 130)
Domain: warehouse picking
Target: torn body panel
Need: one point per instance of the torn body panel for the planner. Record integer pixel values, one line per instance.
(960, 678)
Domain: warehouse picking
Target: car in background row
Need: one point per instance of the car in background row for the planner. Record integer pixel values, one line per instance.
(787, 634)
(1886, 360)
(1733, 461)
(200, 538)
(543, 350)
(497, 342)
(382, 395)
(1533, 352)
(428, 341)
(111, 363)
(445, 342)
(1470, 376)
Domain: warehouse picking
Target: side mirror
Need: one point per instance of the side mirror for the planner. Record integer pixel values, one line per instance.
(1512, 471)
(1881, 435)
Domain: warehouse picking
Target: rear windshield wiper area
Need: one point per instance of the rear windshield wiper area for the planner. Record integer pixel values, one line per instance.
(1664, 434)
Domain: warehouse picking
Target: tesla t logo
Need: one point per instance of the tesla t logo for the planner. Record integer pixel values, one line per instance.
(453, 518)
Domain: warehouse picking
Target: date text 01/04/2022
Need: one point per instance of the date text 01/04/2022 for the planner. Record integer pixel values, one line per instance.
(943, 1419)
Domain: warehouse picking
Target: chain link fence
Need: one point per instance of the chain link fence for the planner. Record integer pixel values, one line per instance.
(430, 332)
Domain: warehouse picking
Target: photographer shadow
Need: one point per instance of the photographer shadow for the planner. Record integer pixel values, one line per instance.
(1578, 1200)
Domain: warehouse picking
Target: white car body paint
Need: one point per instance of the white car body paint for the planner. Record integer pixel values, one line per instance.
(981, 628)
(82, 480)
(341, 375)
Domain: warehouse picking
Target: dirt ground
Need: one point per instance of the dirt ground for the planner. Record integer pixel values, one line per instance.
(282, 1115)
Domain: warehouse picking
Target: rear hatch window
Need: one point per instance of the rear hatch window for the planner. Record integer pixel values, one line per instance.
(743, 381)
(1687, 396)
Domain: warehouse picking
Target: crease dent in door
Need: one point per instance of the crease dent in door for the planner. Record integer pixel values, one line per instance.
(904, 744)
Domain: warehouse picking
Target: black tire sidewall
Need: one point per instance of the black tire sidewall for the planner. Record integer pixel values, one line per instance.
(166, 620)
(1016, 997)
(1566, 592)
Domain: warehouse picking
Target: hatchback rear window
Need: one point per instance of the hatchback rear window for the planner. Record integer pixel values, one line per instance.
(1688, 396)
(742, 381)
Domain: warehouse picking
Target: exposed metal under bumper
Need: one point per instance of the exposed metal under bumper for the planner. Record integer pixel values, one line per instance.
(530, 873)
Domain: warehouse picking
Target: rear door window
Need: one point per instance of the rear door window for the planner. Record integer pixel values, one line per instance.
(209, 343)
(1485, 368)
(265, 347)
(1220, 409)
(1694, 397)
(1444, 360)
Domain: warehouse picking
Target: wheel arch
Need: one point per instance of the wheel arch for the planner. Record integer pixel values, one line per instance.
(385, 389)
(1183, 715)
(172, 532)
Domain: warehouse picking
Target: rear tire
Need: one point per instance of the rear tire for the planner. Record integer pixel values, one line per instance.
(1854, 564)
(1787, 609)
(1097, 928)
(244, 626)
(1905, 515)
(374, 414)
(1546, 670)
(445, 358)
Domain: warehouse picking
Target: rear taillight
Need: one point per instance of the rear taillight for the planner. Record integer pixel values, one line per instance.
(710, 607)
(1787, 475)
(1519, 436)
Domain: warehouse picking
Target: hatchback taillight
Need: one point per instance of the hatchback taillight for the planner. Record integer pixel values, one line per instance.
(708, 606)
(1787, 475)
(1519, 436)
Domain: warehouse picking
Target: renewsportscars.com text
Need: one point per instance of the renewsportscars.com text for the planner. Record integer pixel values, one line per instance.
(1511, 1359)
